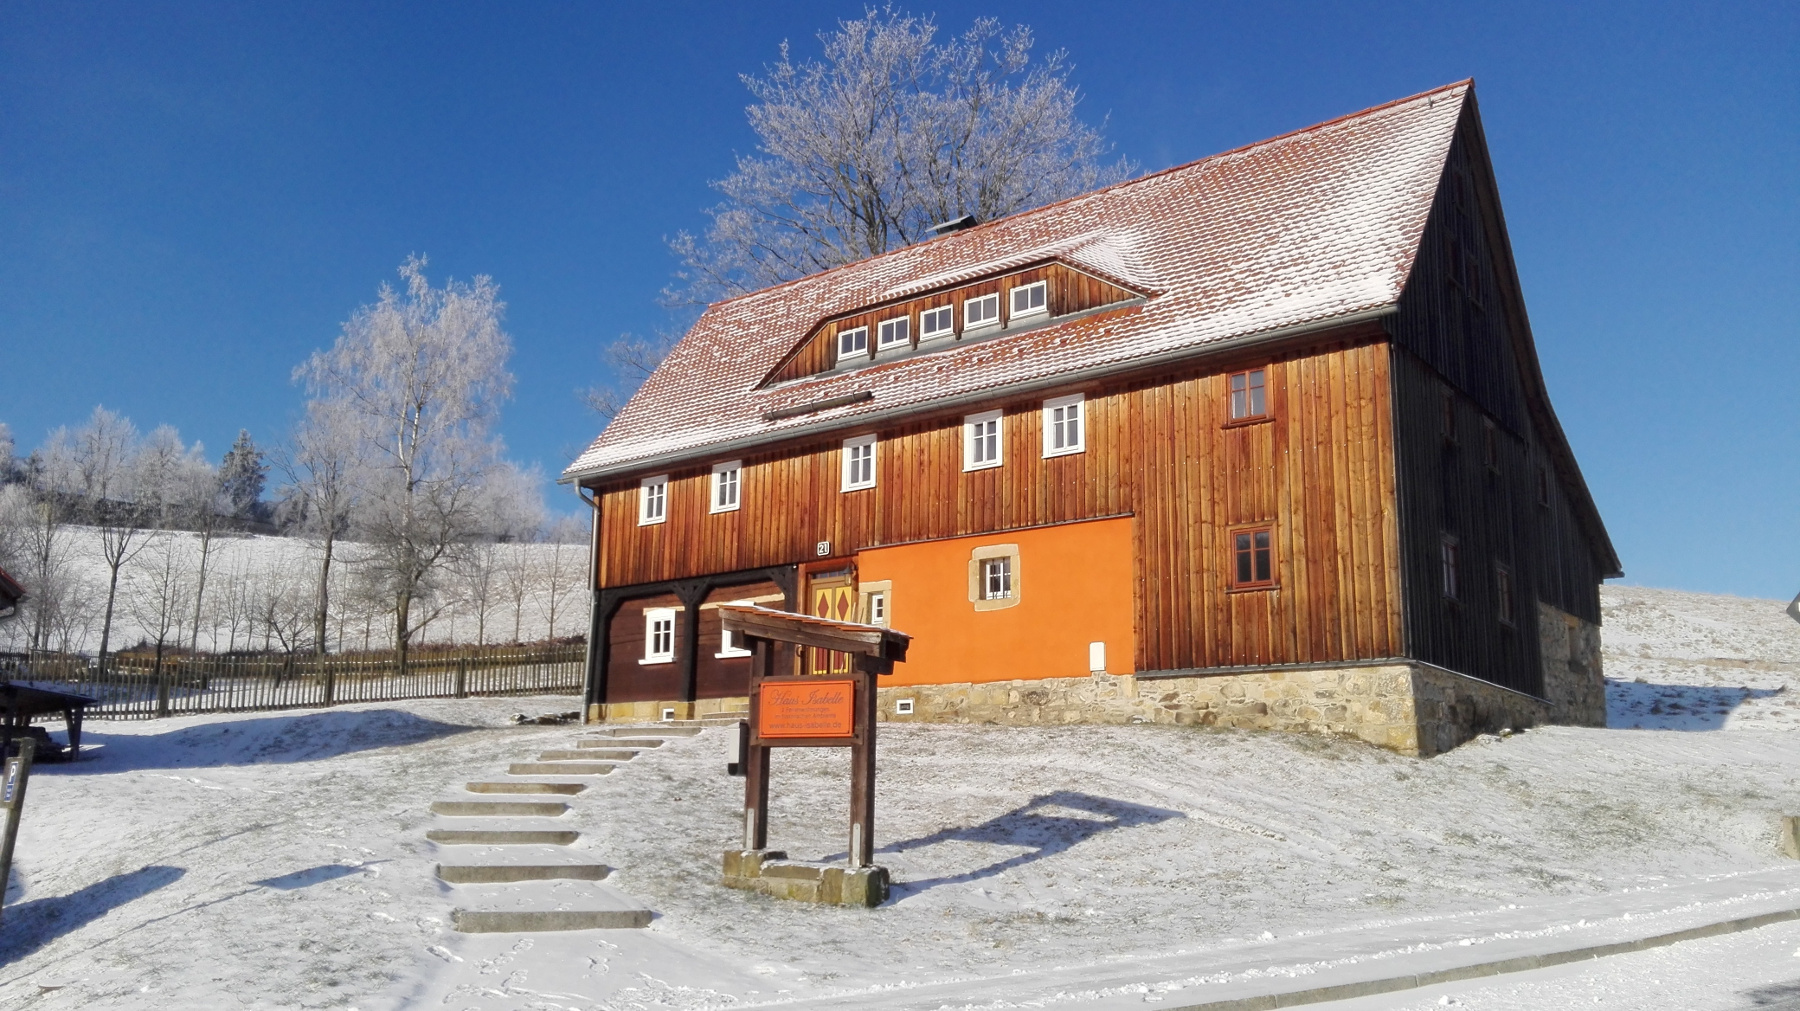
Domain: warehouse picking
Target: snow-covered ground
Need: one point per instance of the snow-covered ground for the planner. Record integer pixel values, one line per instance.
(279, 860)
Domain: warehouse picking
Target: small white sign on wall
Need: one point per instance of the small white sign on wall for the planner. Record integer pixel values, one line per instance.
(1097, 658)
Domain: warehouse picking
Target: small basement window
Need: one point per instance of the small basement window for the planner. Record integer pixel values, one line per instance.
(1448, 559)
(939, 322)
(981, 441)
(653, 500)
(725, 480)
(853, 342)
(1249, 398)
(980, 312)
(859, 463)
(1030, 300)
(1253, 558)
(893, 333)
(659, 635)
(1064, 432)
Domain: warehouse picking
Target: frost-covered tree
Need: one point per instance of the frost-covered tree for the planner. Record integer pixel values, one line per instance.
(242, 475)
(423, 374)
(895, 129)
(325, 465)
(98, 469)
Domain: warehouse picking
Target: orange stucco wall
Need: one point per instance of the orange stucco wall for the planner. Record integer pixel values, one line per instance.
(1074, 588)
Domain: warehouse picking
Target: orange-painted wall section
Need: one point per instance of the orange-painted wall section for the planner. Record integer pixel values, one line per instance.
(1074, 588)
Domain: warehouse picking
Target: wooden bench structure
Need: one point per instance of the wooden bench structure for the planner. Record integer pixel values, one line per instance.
(20, 703)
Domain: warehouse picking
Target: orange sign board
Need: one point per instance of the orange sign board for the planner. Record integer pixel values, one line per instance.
(806, 708)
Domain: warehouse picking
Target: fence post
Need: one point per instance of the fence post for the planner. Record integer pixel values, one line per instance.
(12, 799)
(462, 677)
(330, 680)
(162, 689)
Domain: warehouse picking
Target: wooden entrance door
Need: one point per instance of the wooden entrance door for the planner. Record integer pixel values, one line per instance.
(833, 599)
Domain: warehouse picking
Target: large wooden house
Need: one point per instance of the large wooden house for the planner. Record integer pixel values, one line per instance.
(1257, 441)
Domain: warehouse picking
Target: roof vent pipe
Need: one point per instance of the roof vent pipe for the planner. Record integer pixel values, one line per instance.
(955, 224)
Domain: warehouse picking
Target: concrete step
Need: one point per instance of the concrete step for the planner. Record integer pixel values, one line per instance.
(620, 742)
(582, 754)
(565, 789)
(486, 874)
(500, 808)
(531, 906)
(660, 730)
(559, 768)
(502, 837)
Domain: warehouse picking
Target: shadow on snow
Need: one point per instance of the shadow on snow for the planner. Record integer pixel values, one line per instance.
(304, 737)
(31, 925)
(1638, 705)
(1047, 824)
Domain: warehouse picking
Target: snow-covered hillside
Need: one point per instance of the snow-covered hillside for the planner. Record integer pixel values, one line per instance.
(279, 860)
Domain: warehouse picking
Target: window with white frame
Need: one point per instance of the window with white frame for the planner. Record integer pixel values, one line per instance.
(853, 342)
(729, 646)
(893, 333)
(659, 635)
(653, 500)
(983, 311)
(1030, 299)
(939, 322)
(726, 478)
(878, 608)
(996, 578)
(859, 462)
(981, 440)
(1064, 431)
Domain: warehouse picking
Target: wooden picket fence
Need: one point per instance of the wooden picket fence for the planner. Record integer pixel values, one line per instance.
(131, 687)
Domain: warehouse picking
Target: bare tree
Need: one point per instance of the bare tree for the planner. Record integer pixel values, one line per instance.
(323, 468)
(157, 597)
(100, 473)
(566, 562)
(424, 374)
(893, 131)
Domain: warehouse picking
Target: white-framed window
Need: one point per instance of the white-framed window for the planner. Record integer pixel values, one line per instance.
(653, 500)
(726, 479)
(893, 333)
(983, 311)
(659, 635)
(996, 578)
(1065, 428)
(939, 322)
(981, 440)
(853, 342)
(859, 462)
(1029, 299)
(728, 643)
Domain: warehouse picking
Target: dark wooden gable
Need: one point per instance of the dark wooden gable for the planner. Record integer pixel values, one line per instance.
(1477, 445)
(1071, 290)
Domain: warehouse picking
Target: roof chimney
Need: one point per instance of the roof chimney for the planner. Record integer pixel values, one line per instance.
(955, 224)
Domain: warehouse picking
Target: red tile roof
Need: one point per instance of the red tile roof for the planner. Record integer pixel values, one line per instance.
(1311, 227)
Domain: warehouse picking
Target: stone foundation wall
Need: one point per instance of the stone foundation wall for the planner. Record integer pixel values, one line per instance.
(1573, 681)
(651, 712)
(1409, 708)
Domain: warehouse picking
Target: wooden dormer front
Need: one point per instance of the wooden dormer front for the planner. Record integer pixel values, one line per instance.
(1071, 291)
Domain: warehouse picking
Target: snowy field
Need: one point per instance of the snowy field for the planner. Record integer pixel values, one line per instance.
(277, 861)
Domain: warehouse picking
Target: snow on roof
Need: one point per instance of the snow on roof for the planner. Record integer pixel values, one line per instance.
(1307, 228)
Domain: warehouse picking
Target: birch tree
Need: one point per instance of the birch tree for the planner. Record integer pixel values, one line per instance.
(324, 466)
(423, 373)
(895, 129)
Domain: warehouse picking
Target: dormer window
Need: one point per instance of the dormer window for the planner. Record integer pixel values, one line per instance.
(853, 342)
(1030, 299)
(893, 333)
(939, 322)
(980, 312)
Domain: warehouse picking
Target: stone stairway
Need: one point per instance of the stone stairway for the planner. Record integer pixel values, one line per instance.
(512, 865)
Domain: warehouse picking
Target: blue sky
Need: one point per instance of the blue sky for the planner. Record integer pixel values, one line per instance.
(194, 195)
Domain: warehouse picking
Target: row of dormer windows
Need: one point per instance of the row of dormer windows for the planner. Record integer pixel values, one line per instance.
(984, 447)
(979, 313)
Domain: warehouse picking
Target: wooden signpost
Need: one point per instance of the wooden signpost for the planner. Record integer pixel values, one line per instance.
(819, 711)
(13, 781)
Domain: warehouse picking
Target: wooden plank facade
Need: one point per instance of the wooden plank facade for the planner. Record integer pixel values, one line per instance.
(1418, 494)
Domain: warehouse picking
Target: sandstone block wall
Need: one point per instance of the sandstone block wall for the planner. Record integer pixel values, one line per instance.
(1574, 683)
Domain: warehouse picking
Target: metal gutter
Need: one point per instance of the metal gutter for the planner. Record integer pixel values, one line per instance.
(875, 417)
